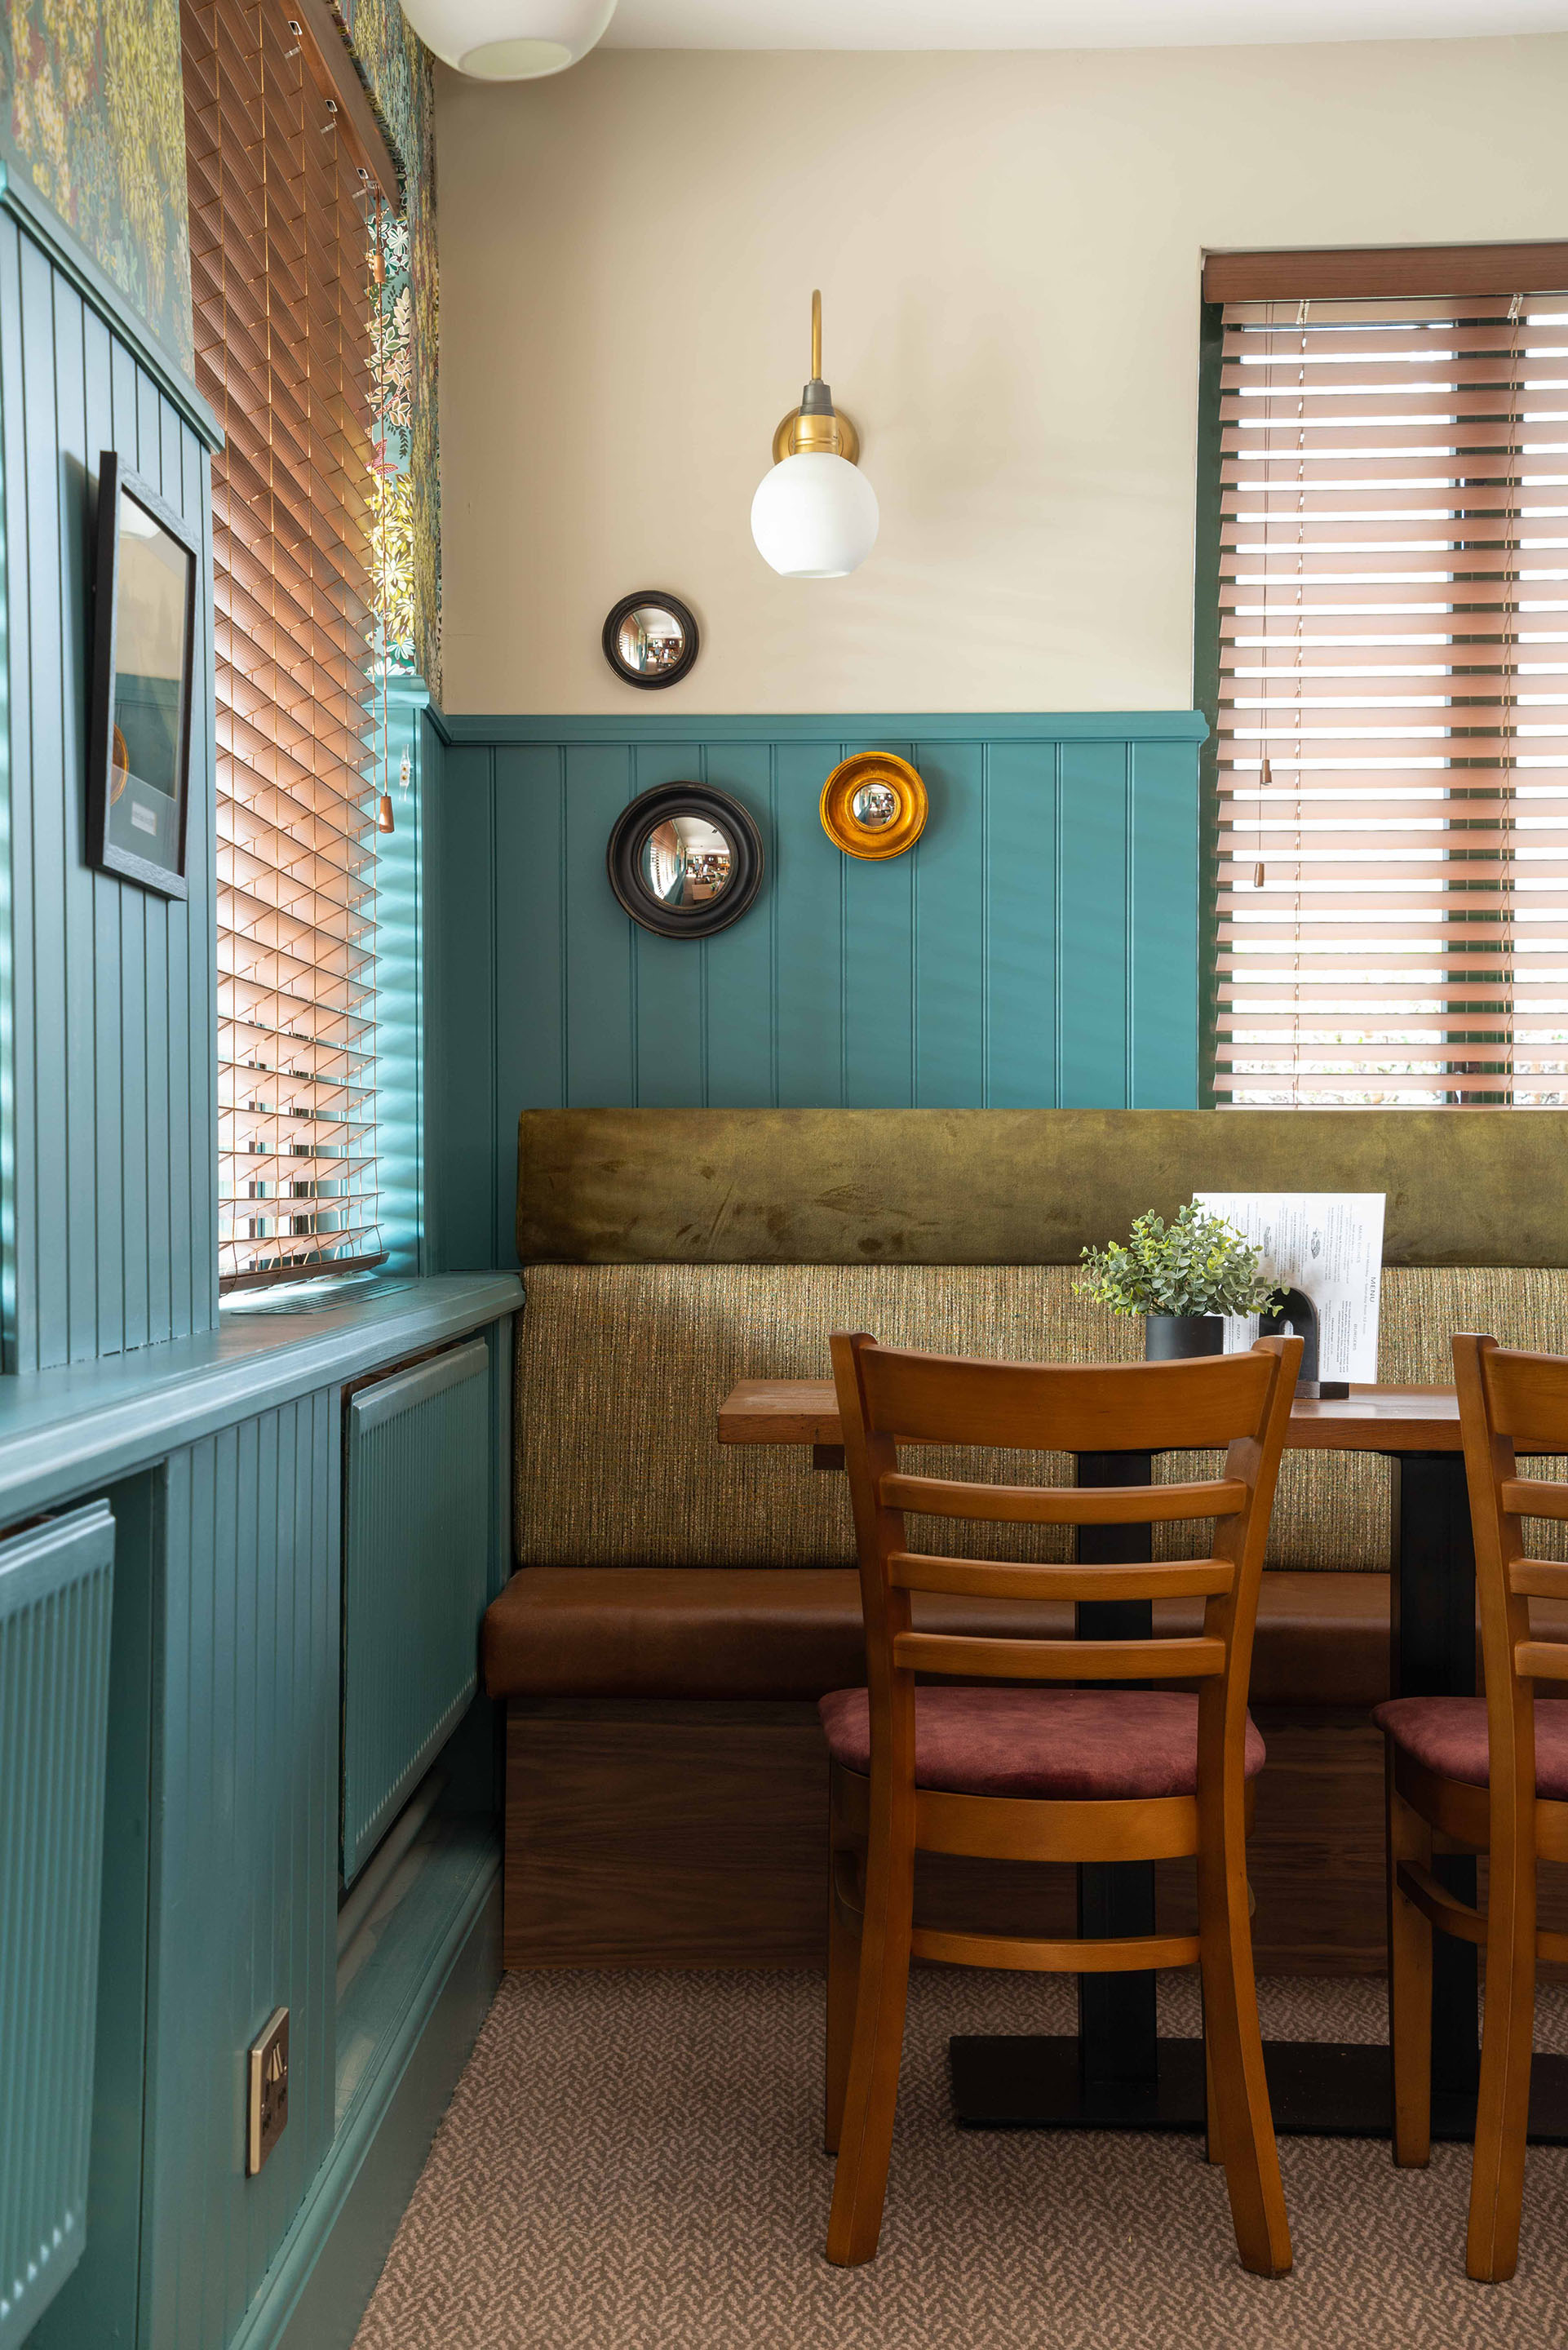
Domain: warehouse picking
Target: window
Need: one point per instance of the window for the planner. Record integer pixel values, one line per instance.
(1392, 739)
(283, 194)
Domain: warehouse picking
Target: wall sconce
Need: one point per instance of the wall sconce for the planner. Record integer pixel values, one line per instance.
(510, 40)
(814, 514)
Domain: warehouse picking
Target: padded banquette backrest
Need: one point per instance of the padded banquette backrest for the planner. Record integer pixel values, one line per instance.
(668, 1253)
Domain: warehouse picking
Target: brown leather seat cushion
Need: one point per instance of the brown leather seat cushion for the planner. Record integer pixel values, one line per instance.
(1084, 1745)
(1447, 1735)
(795, 1632)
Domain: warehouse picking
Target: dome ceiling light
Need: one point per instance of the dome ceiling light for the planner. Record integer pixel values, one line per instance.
(510, 40)
(814, 514)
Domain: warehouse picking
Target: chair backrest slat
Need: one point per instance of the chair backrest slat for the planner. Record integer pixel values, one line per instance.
(1539, 1578)
(1541, 1661)
(1533, 1497)
(1062, 1408)
(1064, 1505)
(967, 1653)
(990, 1578)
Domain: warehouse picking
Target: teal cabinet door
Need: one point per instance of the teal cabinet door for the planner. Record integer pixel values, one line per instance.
(416, 1579)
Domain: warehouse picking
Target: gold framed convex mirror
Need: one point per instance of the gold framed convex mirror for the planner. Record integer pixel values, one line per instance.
(650, 639)
(874, 805)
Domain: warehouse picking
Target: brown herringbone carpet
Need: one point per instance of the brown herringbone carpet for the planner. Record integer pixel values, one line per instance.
(632, 2162)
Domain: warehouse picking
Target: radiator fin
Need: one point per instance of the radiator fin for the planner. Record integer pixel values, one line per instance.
(56, 1597)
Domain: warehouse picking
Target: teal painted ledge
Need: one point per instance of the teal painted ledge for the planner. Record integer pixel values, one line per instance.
(64, 1430)
(943, 726)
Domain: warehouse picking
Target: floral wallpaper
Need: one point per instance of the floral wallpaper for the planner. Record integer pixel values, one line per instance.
(396, 69)
(92, 113)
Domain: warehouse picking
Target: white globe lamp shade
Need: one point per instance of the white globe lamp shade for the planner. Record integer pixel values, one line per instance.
(509, 40)
(815, 518)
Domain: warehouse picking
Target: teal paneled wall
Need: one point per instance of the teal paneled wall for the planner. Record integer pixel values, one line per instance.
(1038, 947)
(108, 1044)
(245, 1861)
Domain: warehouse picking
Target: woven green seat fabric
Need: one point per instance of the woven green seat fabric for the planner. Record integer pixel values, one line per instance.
(621, 1369)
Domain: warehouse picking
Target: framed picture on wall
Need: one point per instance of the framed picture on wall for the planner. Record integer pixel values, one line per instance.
(143, 637)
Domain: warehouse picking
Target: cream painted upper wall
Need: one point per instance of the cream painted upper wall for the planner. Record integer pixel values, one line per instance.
(1009, 247)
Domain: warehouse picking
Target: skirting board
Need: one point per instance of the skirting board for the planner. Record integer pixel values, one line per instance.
(327, 2271)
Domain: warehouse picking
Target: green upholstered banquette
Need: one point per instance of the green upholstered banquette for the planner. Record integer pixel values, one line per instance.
(668, 1253)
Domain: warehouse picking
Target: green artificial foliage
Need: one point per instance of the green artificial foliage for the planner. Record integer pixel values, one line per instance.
(1198, 1264)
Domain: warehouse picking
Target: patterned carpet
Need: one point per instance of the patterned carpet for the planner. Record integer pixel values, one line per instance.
(632, 2162)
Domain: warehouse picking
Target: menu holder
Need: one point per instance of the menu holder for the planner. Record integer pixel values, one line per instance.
(1325, 1249)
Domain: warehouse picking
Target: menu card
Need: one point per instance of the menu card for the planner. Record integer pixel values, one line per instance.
(1327, 1244)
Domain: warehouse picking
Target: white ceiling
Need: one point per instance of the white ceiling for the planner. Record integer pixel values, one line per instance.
(1062, 24)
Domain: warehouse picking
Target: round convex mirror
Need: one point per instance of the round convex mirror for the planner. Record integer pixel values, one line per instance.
(874, 806)
(684, 860)
(650, 639)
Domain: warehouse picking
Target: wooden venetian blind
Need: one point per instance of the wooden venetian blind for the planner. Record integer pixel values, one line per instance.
(280, 264)
(1392, 721)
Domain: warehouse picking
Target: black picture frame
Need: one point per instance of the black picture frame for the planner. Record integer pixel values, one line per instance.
(160, 864)
(623, 860)
(651, 681)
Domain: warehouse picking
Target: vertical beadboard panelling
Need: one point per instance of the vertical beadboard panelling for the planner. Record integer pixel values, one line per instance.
(419, 1540)
(109, 1167)
(599, 949)
(1093, 927)
(1163, 1027)
(738, 1053)
(530, 957)
(463, 1060)
(244, 1910)
(56, 1594)
(1038, 947)
(399, 988)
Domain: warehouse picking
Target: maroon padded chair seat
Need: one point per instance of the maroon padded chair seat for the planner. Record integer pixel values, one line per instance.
(1069, 1744)
(1447, 1735)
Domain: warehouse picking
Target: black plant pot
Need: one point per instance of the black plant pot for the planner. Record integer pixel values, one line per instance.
(1176, 1338)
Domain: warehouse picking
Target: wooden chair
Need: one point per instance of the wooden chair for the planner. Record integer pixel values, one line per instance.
(1039, 1774)
(1487, 1775)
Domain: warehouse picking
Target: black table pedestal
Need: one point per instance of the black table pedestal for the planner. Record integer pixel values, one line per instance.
(1118, 2037)
(1117, 2074)
(1434, 1655)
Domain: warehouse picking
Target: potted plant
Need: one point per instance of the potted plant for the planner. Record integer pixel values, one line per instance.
(1184, 1278)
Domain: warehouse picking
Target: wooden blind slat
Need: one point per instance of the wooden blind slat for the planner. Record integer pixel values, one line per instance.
(281, 287)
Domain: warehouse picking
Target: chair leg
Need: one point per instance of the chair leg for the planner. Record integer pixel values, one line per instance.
(842, 1981)
(1235, 2056)
(865, 2139)
(1410, 1985)
(1496, 2172)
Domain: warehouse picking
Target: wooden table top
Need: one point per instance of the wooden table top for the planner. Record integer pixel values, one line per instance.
(1371, 1419)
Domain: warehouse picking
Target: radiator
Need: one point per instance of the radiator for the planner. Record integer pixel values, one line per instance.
(56, 1594)
(416, 1542)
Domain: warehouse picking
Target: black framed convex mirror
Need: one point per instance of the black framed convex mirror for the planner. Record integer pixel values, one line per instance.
(685, 860)
(650, 639)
